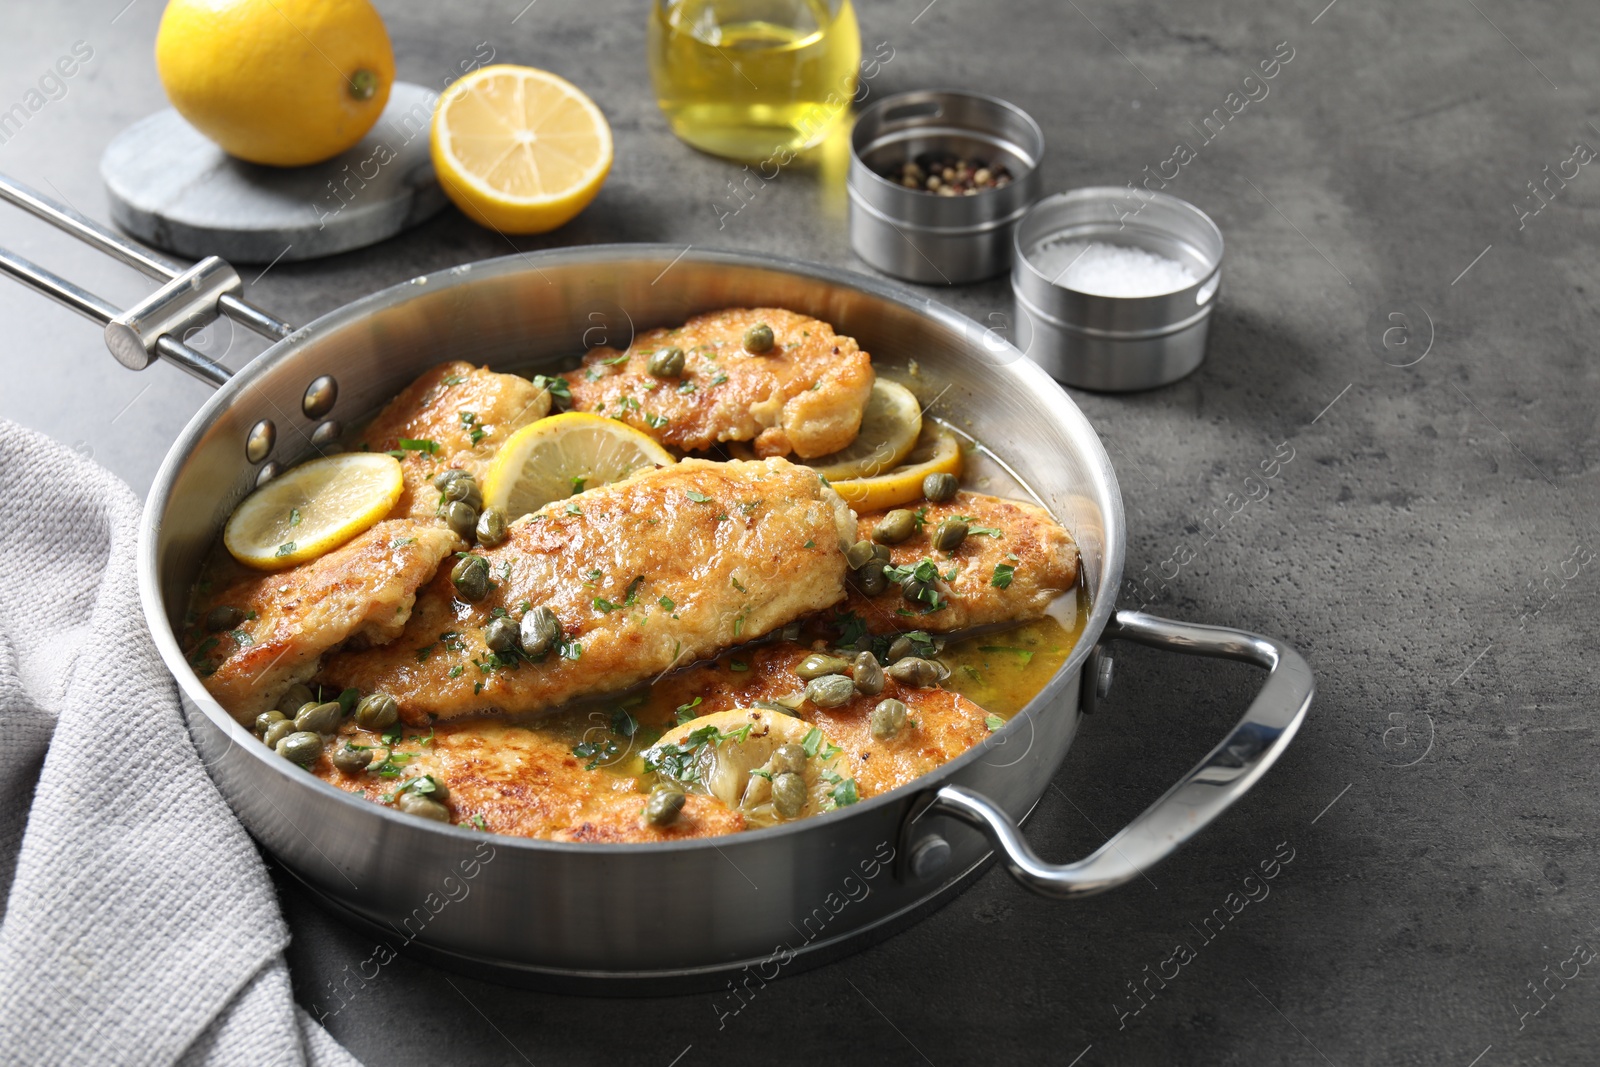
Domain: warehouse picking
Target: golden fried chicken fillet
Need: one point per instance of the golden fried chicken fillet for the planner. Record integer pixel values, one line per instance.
(361, 591)
(509, 779)
(940, 725)
(805, 396)
(1041, 556)
(644, 575)
(453, 415)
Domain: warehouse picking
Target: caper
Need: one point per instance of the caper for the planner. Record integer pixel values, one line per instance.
(895, 527)
(859, 554)
(491, 528)
(471, 577)
(666, 362)
(949, 534)
(302, 747)
(788, 758)
(940, 487)
(915, 589)
(887, 718)
(830, 691)
(540, 631)
(819, 663)
(461, 518)
(319, 718)
(868, 675)
(292, 700)
(444, 478)
(425, 807)
(917, 672)
(870, 579)
(758, 338)
(791, 631)
(277, 732)
(663, 806)
(377, 711)
(900, 648)
(788, 794)
(429, 786)
(265, 720)
(352, 760)
(500, 634)
(881, 554)
(223, 617)
(464, 490)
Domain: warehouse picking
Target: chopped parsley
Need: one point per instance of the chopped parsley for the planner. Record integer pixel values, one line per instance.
(604, 606)
(1003, 573)
(453, 379)
(667, 603)
(1026, 654)
(655, 422)
(632, 592)
(993, 722)
(614, 360)
(685, 712)
(570, 649)
(415, 444)
(685, 387)
(698, 497)
(919, 519)
(560, 391)
(627, 403)
(294, 516)
(578, 482)
(285, 549)
(401, 542)
(739, 587)
(573, 509)
(719, 379)
(974, 530)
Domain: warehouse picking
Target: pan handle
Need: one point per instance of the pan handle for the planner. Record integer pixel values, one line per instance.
(151, 329)
(1222, 777)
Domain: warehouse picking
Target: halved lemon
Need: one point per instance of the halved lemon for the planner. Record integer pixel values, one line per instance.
(312, 509)
(519, 150)
(889, 428)
(938, 451)
(562, 456)
(720, 751)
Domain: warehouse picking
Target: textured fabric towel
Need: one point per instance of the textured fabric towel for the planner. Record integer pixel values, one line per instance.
(140, 926)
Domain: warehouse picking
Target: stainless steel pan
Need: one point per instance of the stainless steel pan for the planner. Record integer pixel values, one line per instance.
(574, 915)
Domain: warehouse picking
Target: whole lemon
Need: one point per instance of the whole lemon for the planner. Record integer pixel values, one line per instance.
(281, 82)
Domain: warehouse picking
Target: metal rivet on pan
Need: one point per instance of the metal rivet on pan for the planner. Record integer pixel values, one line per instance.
(268, 472)
(929, 855)
(326, 433)
(1102, 682)
(258, 445)
(319, 398)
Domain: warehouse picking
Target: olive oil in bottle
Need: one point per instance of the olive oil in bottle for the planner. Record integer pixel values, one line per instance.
(748, 79)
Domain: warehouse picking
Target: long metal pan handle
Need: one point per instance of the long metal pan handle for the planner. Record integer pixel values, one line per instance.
(154, 327)
(1222, 777)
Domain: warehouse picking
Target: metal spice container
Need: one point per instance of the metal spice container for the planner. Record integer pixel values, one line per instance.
(1116, 343)
(915, 235)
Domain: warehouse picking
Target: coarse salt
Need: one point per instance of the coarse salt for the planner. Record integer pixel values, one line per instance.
(1102, 269)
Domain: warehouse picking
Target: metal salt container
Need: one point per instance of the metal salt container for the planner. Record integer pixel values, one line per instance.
(1116, 343)
(919, 236)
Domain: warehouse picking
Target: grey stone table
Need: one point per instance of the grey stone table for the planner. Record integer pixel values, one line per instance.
(1430, 547)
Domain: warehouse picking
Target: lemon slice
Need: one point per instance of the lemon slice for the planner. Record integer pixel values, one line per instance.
(744, 741)
(889, 428)
(938, 451)
(519, 150)
(562, 456)
(312, 509)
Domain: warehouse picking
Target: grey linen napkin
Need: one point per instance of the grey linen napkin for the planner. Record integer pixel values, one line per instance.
(139, 924)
